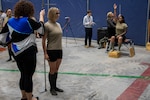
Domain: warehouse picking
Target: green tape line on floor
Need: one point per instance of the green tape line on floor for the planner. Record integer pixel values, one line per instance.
(85, 74)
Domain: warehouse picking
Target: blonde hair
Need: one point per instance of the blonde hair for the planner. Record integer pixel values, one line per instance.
(109, 14)
(52, 13)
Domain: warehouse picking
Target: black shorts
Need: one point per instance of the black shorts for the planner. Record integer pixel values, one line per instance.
(54, 54)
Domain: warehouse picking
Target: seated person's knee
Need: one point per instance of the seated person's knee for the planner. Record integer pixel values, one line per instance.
(112, 38)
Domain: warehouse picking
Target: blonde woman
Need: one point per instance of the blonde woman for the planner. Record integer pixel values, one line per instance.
(53, 49)
(111, 24)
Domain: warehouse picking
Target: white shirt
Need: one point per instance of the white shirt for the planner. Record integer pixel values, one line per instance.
(88, 21)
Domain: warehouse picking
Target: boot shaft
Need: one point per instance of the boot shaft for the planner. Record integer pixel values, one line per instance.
(52, 80)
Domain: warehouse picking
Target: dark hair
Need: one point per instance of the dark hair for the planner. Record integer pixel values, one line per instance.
(123, 19)
(23, 8)
(1, 11)
(89, 11)
(7, 10)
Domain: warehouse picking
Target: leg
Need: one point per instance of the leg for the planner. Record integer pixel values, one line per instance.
(56, 74)
(23, 94)
(119, 42)
(107, 45)
(53, 69)
(112, 42)
(52, 77)
(86, 36)
(9, 53)
(27, 63)
(90, 36)
(21, 82)
(54, 63)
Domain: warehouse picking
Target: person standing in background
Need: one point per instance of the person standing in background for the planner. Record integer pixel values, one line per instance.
(21, 29)
(8, 16)
(2, 16)
(53, 49)
(88, 24)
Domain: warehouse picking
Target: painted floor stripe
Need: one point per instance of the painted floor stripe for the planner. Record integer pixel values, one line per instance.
(87, 74)
(135, 90)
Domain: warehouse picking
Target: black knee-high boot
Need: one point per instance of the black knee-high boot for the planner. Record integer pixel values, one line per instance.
(52, 84)
(56, 88)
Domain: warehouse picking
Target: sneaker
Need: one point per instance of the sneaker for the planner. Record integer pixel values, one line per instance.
(91, 46)
(13, 61)
(86, 46)
(107, 51)
(8, 60)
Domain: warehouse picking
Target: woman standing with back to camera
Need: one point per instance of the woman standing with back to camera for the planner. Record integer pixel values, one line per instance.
(22, 38)
(53, 51)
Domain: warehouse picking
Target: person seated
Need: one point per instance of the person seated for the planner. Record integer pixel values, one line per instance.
(121, 30)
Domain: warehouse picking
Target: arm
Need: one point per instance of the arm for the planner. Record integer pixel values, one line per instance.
(4, 29)
(92, 22)
(41, 31)
(42, 13)
(115, 13)
(110, 24)
(125, 31)
(5, 34)
(5, 21)
(38, 26)
(85, 22)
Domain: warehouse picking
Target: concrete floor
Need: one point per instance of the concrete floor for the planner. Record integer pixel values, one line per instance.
(85, 74)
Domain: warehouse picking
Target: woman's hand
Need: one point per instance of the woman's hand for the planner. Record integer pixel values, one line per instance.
(42, 12)
(46, 57)
(115, 6)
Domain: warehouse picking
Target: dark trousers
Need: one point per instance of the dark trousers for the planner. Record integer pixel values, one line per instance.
(26, 62)
(88, 35)
(10, 52)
